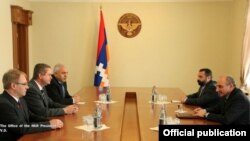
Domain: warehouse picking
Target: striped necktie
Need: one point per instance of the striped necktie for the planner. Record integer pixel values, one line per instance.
(43, 94)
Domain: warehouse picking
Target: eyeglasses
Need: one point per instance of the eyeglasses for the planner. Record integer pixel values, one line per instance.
(24, 84)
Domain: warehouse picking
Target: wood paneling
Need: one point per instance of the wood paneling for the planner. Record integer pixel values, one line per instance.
(20, 19)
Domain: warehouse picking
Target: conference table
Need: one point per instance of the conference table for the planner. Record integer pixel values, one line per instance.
(124, 123)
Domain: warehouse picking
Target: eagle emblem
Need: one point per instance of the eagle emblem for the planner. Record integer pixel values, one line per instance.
(129, 25)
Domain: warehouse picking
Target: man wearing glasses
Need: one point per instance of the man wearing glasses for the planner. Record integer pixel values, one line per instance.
(16, 119)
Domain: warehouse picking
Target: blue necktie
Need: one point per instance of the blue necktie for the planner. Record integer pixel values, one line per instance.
(63, 91)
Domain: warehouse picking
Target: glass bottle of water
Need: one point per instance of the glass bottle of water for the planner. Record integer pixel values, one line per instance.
(163, 115)
(97, 117)
(154, 94)
(108, 94)
(98, 110)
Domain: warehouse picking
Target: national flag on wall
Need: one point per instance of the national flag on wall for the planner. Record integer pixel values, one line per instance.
(102, 58)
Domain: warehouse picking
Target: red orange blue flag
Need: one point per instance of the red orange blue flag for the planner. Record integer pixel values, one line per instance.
(102, 58)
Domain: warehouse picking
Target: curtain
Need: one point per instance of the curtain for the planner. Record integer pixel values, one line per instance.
(245, 67)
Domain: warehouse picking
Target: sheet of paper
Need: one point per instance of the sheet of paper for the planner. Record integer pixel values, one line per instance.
(176, 101)
(180, 111)
(91, 128)
(154, 128)
(81, 102)
(105, 102)
(159, 102)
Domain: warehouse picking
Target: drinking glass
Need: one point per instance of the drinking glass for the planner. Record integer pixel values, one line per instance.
(88, 120)
(102, 97)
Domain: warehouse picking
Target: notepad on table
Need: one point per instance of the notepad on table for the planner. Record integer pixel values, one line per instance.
(186, 115)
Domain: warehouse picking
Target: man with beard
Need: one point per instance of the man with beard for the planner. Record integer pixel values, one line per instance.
(233, 107)
(206, 95)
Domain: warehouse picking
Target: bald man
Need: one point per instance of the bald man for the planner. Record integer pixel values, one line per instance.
(233, 107)
(57, 89)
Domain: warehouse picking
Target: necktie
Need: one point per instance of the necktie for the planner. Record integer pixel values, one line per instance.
(201, 90)
(43, 94)
(224, 106)
(20, 106)
(63, 91)
(45, 101)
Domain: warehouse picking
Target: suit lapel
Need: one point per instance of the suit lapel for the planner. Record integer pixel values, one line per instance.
(44, 99)
(16, 106)
(58, 86)
(228, 100)
(25, 109)
(201, 90)
(205, 87)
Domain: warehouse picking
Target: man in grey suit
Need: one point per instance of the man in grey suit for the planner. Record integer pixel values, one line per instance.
(233, 108)
(37, 98)
(14, 111)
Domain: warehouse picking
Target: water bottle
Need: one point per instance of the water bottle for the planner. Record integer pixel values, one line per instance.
(97, 122)
(98, 110)
(163, 115)
(108, 94)
(154, 94)
(97, 117)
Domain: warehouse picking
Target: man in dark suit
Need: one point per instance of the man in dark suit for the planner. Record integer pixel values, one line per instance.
(206, 95)
(16, 119)
(37, 98)
(233, 108)
(57, 89)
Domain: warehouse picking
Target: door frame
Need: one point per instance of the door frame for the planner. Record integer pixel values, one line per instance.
(21, 19)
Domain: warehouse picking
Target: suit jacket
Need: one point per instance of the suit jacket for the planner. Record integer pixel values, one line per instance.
(208, 97)
(55, 92)
(11, 114)
(232, 110)
(39, 105)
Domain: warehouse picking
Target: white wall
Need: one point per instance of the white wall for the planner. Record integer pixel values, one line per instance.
(176, 40)
(6, 48)
(5, 40)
